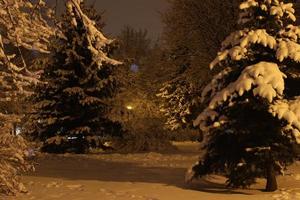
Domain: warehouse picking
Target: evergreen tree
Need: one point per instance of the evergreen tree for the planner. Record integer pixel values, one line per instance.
(71, 109)
(252, 120)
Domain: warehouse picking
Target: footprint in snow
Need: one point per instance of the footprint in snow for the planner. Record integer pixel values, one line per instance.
(53, 184)
(75, 187)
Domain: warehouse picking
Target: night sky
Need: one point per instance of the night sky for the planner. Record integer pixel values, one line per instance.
(136, 13)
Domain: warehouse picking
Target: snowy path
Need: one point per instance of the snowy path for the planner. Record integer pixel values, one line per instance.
(149, 176)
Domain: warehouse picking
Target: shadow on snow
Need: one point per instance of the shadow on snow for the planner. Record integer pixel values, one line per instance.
(89, 168)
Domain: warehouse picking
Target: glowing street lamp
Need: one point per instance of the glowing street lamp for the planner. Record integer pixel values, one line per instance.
(129, 107)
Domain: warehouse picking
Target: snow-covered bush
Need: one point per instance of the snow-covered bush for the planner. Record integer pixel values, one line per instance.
(251, 121)
(180, 102)
(13, 155)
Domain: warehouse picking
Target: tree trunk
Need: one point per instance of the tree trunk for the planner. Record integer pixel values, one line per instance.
(271, 178)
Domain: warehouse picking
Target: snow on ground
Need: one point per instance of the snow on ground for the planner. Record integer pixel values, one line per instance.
(144, 176)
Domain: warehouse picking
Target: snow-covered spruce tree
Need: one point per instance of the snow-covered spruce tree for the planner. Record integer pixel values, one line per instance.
(71, 109)
(252, 119)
